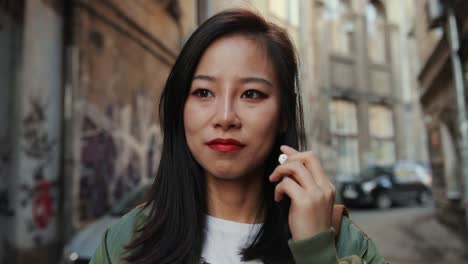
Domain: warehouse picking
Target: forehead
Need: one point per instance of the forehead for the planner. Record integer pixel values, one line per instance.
(236, 55)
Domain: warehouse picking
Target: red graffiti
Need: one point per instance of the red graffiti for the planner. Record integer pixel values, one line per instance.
(42, 205)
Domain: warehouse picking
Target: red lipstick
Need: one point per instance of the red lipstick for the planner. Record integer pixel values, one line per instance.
(225, 145)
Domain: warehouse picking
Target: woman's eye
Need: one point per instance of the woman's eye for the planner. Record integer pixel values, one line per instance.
(252, 94)
(203, 93)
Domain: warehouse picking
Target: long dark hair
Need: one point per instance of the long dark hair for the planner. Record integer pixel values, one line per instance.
(177, 200)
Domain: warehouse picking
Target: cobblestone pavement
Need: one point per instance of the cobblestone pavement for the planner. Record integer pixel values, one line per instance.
(411, 235)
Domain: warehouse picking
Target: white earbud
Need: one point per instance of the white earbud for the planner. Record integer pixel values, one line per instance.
(282, 158)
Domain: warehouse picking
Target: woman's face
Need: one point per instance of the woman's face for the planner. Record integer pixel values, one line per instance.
(231, 115)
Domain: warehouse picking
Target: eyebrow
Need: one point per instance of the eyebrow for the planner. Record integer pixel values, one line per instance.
(204, 78)
(243, 80)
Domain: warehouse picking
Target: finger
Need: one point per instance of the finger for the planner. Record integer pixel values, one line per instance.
(296, 171)
(288, 150)
(313, 165)
(308, 158)
(289, 187)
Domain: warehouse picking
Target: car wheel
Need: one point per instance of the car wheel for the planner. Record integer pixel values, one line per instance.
(383, 201)
(423, 198)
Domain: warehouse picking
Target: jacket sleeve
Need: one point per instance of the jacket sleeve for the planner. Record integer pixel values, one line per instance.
(352, 247)
(112, 246)
(101, 255)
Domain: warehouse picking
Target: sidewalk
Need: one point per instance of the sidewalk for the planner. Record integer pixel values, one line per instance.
(411, 235)
(436, 242)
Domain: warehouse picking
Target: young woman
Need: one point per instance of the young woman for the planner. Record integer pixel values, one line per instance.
(230, 107)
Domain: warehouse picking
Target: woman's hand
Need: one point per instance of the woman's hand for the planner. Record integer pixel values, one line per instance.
(312, 195)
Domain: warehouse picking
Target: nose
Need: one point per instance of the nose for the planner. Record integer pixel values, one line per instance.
(226, 114)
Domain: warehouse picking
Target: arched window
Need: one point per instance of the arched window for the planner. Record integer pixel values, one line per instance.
(375, 18)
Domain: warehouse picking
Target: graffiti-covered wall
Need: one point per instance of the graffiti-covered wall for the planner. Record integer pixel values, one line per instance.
(31, 70)
(84, 77)
(126, 51)
(37, 134)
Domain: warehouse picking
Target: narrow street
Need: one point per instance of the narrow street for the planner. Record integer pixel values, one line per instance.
(410, 235)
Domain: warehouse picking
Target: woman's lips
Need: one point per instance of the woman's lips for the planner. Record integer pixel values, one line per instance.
(225, 145)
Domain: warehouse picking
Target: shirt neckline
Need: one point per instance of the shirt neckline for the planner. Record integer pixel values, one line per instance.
(229, 226)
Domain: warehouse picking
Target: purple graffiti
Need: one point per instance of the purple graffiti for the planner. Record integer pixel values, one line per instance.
(98, 155)
(110, 167)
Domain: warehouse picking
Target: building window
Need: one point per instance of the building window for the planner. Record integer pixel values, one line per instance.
(286, 10)
(338, 14)
(344, 130)
(382, 135)
(375, 17)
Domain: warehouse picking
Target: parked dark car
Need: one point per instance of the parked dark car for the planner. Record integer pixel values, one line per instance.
(384, 186)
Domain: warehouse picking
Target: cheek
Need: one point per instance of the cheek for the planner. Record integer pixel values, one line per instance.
(191, 118)
(189, 126)
(270, 117)
(265, 123)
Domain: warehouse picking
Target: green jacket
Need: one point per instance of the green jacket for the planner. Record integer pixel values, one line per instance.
(353, 246)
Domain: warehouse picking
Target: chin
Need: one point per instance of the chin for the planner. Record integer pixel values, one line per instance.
(229, 170)
(228, 178)
(225, 175)
(221, 173)
(230, 175)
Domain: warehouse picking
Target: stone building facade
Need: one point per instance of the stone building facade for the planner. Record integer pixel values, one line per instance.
(438, 98)
(364, 99)
(119, 55)
(358, 78)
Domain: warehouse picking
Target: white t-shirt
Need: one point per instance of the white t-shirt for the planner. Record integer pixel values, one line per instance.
(225, 239)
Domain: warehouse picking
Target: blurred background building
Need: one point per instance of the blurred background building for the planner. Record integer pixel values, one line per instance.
(80, 82)
(358, 79)
(438, 99)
